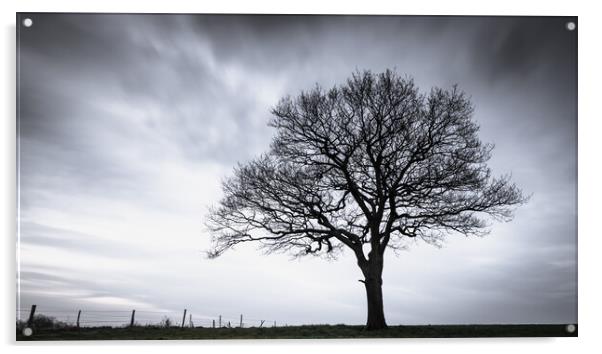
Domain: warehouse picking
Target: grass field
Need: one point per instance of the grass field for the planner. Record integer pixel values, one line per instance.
(299, 332)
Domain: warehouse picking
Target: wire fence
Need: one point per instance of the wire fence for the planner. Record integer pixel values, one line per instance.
(28, 316)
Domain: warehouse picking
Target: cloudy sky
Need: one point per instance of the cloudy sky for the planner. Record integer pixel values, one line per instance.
(128, 123)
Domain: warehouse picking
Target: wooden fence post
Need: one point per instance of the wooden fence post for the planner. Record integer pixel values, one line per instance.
(190, 321)
(132, 320)
(241, 321)
(32, 313)
(220, 321)
(184, 318)
(79, 313)
(213, 323)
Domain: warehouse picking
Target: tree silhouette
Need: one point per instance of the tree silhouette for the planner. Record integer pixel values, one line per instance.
(364, 165)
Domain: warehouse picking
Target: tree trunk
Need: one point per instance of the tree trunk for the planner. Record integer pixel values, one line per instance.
(374, 294)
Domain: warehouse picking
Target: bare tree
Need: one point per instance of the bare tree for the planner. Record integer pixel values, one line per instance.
(365, 166)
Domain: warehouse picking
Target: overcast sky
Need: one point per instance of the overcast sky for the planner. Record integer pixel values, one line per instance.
(128, 123)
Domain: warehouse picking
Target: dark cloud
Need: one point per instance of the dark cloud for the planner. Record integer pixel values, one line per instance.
(512, 48)
(128, 122)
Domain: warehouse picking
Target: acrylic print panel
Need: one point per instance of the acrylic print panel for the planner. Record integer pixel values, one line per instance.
(234, 176)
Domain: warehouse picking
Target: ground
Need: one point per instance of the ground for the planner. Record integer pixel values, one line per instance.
(300, 332)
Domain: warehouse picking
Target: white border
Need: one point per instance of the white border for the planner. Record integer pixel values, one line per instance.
(589, 176)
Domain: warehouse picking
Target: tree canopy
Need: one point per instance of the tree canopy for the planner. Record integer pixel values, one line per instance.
(372, 161)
